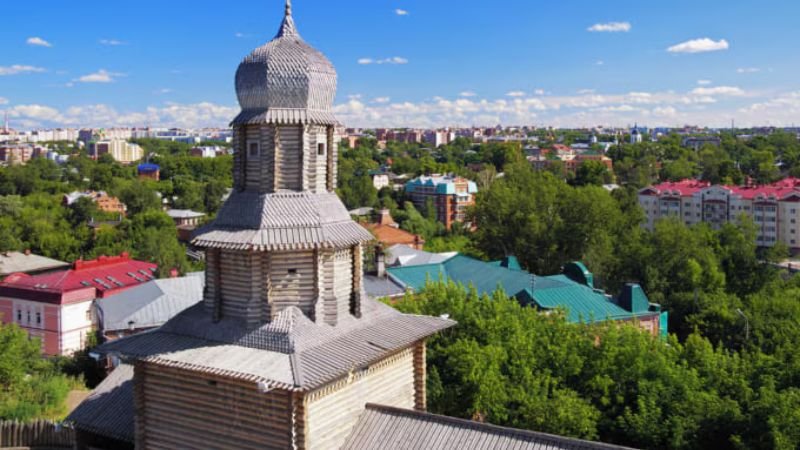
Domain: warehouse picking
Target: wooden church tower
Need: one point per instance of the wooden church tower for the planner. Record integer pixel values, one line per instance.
(284, 351)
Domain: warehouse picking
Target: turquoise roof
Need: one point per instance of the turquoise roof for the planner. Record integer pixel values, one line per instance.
(509, 262)
(442, 185)
(581, 302)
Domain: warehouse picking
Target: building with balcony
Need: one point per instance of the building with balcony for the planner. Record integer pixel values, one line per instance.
(773, 208)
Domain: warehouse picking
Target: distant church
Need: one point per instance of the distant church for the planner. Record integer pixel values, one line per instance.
(285, 351)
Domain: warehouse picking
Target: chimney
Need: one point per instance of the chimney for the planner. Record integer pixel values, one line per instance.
(380, 261)
(27, 252)
(385, 217)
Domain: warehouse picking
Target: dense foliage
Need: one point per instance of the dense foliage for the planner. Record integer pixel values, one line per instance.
(510, 365)
(30, 387)
(33, 216)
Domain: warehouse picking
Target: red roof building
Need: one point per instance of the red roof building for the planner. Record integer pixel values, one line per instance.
(56, 306)
(773, 208)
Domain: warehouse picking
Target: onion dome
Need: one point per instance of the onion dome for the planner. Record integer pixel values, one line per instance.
(286, 81)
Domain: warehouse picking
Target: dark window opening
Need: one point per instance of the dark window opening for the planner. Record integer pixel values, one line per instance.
(253, 150)
(212, 383)
(321, 149)
(292, 271)
(38, 318)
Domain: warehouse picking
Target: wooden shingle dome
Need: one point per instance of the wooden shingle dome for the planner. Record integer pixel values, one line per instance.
(286, 81)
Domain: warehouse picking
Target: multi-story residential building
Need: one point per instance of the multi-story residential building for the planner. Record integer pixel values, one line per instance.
(571, 162)
(121, 150)
(56, 306)
(451, 196)
(773, 208)
(16, 154)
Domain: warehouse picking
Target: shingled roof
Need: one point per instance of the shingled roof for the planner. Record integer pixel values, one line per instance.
(281, 221)
(108, 411)
(291, 352)
(385, 427)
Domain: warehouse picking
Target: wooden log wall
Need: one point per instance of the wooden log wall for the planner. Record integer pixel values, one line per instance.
(332, 411)
(259, 171)
(238, 157)
(240, 277)
(289, 161)
(184, 409)
(343, 280)
(333, 151)
(40, 433)
(316, 165)
(420, 377)
(292, 281)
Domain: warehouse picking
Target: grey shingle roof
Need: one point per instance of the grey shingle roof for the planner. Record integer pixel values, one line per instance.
(286, 81)
(108, 411)
(384, 427)
(403, 255)
(151, 304)
(281, 221)
(291, 352)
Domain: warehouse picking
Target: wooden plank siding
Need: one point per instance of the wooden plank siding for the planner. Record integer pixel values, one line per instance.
(184, 409)
(343, 281)
(332, 411)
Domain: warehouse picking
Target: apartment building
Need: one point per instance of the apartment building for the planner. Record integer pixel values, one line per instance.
(773, 208)
(122, 151)
(451, 196)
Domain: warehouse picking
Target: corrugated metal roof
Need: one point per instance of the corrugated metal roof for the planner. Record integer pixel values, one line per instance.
(381, 287)
(582, 303)
(151, 304)
(385, 427)
(108, 411)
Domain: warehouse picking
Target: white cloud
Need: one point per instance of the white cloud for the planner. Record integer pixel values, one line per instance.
(586, 91)
(17, 69)
(37, 41)
(3, 101)
(703, 82)
(699, 46)
(539, 92)
(467, 94)
(101, 76)
(610, 27)
(239, 35)
(381, 100)
(392, 60)
(718, 90)
(748, 70)
(112, 42)
(599, 63)
(164, 91)
(515, 94)
(401, 12)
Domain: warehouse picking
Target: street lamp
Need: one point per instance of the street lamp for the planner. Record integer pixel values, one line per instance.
(746, 324)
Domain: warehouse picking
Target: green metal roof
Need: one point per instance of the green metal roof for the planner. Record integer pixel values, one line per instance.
(581, 302)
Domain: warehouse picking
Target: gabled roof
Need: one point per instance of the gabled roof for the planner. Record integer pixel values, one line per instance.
(385, 427)
(390, 235)
(291, 352)
(184, 214)
(403, 255)
(151, 304)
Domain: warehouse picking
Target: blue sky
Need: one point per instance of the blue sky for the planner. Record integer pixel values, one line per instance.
(444, 62)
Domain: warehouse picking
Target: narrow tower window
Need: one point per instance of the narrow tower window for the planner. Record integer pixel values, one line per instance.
(253, 150)
(321, 149)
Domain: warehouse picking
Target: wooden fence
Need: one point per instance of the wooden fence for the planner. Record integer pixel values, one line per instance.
(41, 433)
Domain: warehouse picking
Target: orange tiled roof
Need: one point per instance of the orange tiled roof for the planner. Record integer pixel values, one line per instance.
(391, 236)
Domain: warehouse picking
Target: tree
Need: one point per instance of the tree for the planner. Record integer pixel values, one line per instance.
(139, 198)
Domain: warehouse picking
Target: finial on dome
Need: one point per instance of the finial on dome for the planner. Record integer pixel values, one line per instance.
(287, 27)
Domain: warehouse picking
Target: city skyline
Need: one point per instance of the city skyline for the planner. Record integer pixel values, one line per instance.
(412, 63)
